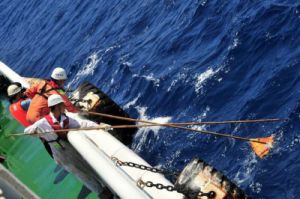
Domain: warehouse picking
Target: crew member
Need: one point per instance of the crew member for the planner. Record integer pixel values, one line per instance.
(63, 152)
(19, 103)
(40, 93)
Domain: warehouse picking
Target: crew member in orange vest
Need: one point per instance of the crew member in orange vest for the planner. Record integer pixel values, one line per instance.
(19, 103)
(40, 92)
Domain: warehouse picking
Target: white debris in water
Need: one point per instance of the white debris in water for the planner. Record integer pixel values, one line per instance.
(203, 77)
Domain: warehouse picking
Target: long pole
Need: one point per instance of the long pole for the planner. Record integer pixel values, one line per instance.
(178, 127)
(139, 126)
(231, 122)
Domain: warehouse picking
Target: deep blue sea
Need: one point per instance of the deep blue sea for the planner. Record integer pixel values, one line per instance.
(170, 60)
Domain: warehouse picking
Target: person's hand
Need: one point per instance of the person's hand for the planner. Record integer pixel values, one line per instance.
(105, 127)
(33, 130)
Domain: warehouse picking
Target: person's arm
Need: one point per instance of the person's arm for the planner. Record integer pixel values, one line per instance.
(69, 106)
(33, 128)
(42, 126)
(81, 123)
(32, 91)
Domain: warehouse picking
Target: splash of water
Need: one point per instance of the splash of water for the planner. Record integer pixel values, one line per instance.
(141, 135)
(87, 69)
(202, 78)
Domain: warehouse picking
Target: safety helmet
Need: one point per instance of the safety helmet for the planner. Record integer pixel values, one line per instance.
(59, 74)
(54, 100)
(13, 90)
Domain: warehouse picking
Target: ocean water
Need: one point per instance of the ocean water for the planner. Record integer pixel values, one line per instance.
(168, 60)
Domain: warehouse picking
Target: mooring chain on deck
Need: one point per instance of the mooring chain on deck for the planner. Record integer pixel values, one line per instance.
(143, 167)
(160, 186)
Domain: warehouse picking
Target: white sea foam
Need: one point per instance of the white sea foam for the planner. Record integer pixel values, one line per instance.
(149, 78)
(91, 66)
(180, 76)
(202, 78)
(87, 69)
(143, 116)
(111, 48)
(203, 2)
(256, 187)
(142, 133)
(132, 102)
(235, 43)
(127, 63)
(245, 173)
(199, 118)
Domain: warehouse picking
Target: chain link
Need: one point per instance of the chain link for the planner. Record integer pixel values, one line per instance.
(142, 167)
(188, 193)
(142, 184)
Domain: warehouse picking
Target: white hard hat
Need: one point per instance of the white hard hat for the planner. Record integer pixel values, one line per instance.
(13, 90)
(59, 74)
(54, 100)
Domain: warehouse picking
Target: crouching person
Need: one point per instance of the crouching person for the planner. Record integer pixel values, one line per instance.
(63, 152)
(19, 103)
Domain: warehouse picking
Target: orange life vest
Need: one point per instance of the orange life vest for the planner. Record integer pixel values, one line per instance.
(39, 106)
(18, 113)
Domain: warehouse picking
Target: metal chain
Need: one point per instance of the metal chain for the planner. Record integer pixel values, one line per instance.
(160, 186)
(143, 167)
(188, 193)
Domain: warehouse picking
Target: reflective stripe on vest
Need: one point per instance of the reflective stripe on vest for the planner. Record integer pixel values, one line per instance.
(18, 113)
